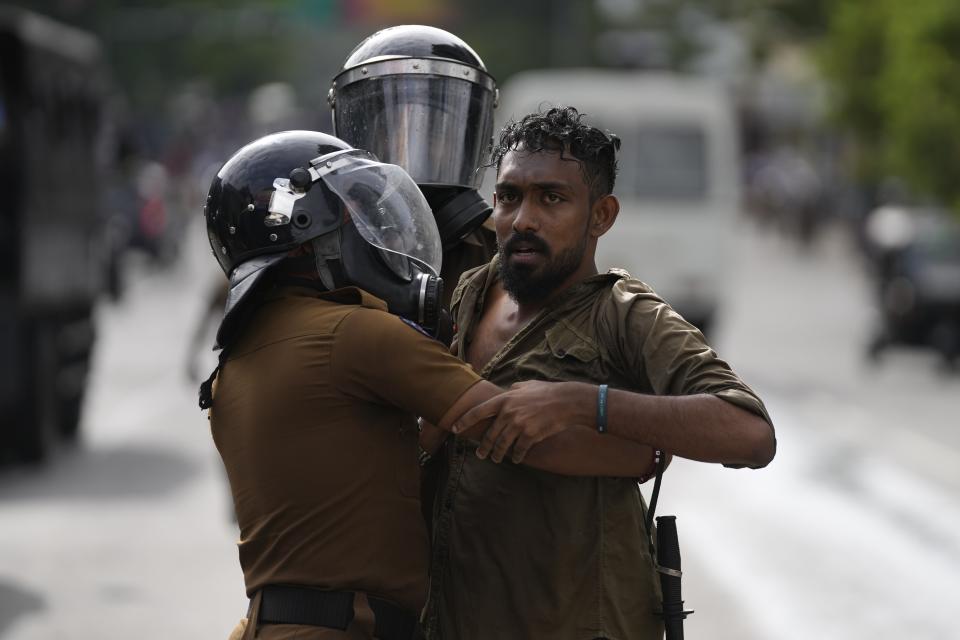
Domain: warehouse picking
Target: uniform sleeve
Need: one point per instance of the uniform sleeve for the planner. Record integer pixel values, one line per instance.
(376, 357)
(662, 351)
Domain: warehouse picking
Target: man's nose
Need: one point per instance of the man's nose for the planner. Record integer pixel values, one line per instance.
(526, 218)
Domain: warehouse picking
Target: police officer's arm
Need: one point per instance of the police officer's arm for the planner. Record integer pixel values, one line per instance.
(377, 358)
(539, 419)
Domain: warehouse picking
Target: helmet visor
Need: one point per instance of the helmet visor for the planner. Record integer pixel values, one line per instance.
(388, 210)
(436, 127)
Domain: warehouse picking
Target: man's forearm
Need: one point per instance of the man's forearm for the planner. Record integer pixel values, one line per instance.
(528, 416)
(699, 427)
(577, 451)
(582, 451)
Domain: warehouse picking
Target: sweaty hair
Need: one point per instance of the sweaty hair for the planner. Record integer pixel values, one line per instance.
(562, 129)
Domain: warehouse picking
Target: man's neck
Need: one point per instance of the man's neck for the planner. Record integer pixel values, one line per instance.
(502, 318)
(527, 310)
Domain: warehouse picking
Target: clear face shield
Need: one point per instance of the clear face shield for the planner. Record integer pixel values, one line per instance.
(432, 117)
(383, 202)
(389, 211)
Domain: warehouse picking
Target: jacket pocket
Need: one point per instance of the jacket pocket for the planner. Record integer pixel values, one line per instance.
(563, 355)
(564, 343)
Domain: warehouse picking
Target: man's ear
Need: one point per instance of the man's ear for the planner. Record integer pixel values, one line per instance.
(603, 214)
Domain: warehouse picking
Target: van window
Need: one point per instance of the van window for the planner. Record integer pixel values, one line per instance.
(662, 162)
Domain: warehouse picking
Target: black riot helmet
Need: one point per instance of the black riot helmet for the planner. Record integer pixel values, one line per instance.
(367, 222)
(421, 98)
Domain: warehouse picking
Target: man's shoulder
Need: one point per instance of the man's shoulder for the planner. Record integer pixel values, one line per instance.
(371, 330)
(299, 312)
(473, 277)
(319, 311)
(630, 304)
(629, 289)
(622, 289)
(348, 310)
(474, 274)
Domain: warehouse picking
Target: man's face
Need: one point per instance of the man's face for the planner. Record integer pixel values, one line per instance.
(541, 213)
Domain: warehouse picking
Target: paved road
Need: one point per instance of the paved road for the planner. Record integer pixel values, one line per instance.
(851, 533)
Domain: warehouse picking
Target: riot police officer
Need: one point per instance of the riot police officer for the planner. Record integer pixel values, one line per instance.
(421, 98)
(332, 258)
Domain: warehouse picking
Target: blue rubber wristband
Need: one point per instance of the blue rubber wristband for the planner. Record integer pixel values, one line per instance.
(602, 409)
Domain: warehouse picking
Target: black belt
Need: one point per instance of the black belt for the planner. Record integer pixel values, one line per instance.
(286, 604)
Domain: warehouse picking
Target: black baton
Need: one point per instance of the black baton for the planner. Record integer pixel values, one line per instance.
(668, 564)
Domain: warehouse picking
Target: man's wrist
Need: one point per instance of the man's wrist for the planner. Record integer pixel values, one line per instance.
(583, 397)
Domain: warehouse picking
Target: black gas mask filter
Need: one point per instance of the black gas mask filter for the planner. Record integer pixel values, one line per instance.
(409, 289)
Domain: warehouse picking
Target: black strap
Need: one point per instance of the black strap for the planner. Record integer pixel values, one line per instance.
(206, 387)
(282, 604)
(290, 604)
(661, 459)
(661, 465)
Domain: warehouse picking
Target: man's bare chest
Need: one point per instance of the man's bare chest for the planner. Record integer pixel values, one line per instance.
(494, 329)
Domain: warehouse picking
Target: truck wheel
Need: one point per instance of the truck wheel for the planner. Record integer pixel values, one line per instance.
(75, 345)
(36, 430)
(68, 418)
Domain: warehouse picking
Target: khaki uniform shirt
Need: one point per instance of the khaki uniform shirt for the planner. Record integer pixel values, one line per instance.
(313, 416)
(526, 554)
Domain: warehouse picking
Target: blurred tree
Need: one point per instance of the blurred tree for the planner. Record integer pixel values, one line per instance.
(155, 46)
(893, 67)
(512, 36)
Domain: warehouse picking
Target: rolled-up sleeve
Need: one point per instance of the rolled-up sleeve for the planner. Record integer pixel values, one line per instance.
(664, 352)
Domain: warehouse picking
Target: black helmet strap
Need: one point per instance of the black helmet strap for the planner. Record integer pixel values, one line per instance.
(326, 252)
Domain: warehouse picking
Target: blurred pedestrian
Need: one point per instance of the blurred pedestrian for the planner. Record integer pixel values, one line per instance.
(526, 554)
(788, 189)
(215, 300)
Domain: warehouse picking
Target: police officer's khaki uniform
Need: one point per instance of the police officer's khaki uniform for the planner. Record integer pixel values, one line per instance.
(314, 417)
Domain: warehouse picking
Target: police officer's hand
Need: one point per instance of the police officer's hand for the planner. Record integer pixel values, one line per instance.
(528, 413)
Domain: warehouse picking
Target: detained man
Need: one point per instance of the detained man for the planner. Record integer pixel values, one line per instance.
(524, 553)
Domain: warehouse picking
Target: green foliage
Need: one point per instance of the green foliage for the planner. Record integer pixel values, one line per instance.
(894, 70)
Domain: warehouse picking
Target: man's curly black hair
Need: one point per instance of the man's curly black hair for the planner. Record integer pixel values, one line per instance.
(562, 129)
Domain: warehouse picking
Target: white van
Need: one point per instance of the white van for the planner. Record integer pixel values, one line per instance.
(679, 173)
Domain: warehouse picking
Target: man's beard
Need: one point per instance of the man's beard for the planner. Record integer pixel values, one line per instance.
(523, 283)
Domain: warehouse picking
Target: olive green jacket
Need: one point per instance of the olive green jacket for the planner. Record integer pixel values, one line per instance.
(526, 554)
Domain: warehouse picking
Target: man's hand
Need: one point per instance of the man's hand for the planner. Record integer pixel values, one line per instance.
(528, 413)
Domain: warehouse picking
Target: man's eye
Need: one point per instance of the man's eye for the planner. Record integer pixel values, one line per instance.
(506, 197)
(552, 198)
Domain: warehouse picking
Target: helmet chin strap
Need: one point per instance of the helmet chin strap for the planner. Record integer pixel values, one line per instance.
(325, 249)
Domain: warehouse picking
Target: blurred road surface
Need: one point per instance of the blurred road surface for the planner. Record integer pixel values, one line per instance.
(850, 534)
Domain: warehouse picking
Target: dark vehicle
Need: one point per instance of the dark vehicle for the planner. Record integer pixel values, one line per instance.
(52, 89)
(919, 283)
